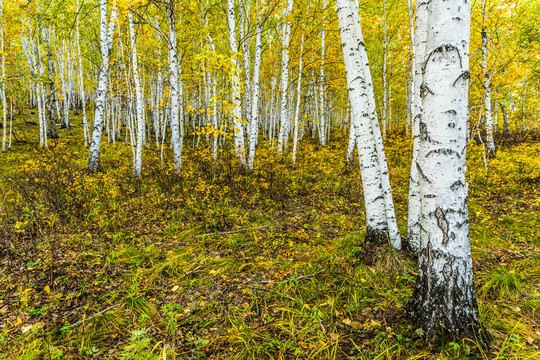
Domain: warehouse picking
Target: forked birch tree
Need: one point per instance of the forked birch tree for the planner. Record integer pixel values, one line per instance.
(444, 299)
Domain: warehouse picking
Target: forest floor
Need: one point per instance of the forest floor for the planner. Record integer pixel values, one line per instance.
(223, 263)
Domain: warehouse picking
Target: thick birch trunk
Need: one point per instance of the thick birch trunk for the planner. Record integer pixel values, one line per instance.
(444, 299)
(106, 34)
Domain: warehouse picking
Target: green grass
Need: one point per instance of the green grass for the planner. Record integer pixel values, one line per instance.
(292, 282)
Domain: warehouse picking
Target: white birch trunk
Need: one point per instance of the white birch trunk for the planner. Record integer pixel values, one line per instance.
(412, 91)
(106, 34)
(284, 111)
(413, 220)
(84, 121)
(236, 96)
(252, 142)
(487, 86)
(376, 223)
(444, 299)
(138, 100)
(393, 231)
(385, 81)
(298, 98)
(322, 80)
(3, 79)
(176, 132)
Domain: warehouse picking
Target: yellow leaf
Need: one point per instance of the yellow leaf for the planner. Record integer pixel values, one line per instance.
(47, 289)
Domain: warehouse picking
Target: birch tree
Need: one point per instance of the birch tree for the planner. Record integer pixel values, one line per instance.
(284, 111)
(419, 48)
(3, 79)
(252, 141)
(84, 121)
(444, 299)
(106, 36)
(322, 80)
(138, 100)
(379, 221)
(235, 78)
(175, 92)
(487, 84)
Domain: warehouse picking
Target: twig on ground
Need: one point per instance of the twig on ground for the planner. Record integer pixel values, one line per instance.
(289, 280)
(270, 291)
(317, 296)
(192, 271)
(235, 231)
(93, 316)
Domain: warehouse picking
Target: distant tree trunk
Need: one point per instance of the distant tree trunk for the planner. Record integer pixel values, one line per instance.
(298, 98)
(284, 113)
(3, 80)
(487, 85)
(412, 65)
(138, 100)
(236, 95)
(384, 73)
(84, 121)
(506, 124)
(252, 142)
(52, 100)
(176, 134)
(444, 299)
(322, 87)
(106, 34)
